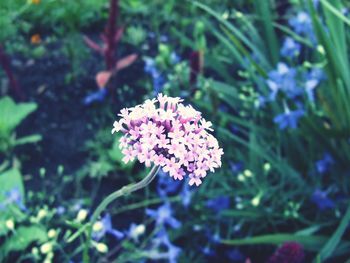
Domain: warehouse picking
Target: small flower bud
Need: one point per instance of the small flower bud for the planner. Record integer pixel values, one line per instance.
(101, 247)
(46, 248)
(10, 224)
(52, 233)
(256, 200)
(98, 226)
(248, 173)
(82, 214)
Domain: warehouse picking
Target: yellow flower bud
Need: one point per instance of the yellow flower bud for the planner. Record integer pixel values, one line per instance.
(267, 167)
(41, 214)
(98, 226)
(52, 233)
(241, 177)
(10, 224)
(82, 214)
(256, 200)
(248, 173)
(101, 247)
(46, 248)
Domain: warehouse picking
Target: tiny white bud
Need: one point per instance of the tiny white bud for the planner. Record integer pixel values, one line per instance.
(52, 233)
(101, 247)
(82, 214)
(10, 224)
(248, 173)
(98, 226)
(46, 248)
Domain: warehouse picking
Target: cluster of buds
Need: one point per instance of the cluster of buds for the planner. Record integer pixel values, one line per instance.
(173, 136)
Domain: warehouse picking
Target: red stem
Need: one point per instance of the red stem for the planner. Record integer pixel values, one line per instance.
(196, 66)
(5, 63)
(111, 29)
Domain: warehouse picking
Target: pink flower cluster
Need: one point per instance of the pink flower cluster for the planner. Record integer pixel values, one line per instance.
(173, 136)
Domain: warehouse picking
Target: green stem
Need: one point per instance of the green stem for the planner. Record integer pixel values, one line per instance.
(128, 189)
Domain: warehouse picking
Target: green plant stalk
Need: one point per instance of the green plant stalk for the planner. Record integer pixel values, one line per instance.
(126, 190)
(331, 245)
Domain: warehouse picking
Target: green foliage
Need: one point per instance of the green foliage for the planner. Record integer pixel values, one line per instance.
(12, 115)
(135, 35)
(104, 156)
(22, 238)
(10, 181)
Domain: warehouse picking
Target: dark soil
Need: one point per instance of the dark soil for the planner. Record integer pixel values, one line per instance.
(62, 119)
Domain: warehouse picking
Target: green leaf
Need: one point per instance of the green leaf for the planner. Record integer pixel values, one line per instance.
(263, 9)
(335, 11)
(331, 245)
(28, 139)
(10, 180)
(311, 243)
(12, 114)
(22, 237)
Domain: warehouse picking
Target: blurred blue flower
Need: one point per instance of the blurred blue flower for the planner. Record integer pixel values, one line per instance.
(302, 24)
(290, 48)
(166, 185)
(321, 199)
(283, 79)
(97, 96)
(235, 255)
(158, 79)
(313, 79)
(135, 231)
(163, 216)
(14, 196)
(316, 3)
(162, 240)
(60, 210)
(174, 58)
(208, 251)
(106, 228)
(219, 203)
(186, 195)
(289, 119)
(236, 167)
(324, 164)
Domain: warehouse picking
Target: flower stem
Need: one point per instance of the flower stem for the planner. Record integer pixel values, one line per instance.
(109, 199)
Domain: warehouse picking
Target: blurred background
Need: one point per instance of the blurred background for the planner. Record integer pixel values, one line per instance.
(273, 77)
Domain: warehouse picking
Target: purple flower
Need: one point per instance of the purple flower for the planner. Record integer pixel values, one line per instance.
(290, 48)
(321, 199)
(105, 227)
(219, 203)
(324, 164)
(173, 136)
(289, 119)
(163, 216)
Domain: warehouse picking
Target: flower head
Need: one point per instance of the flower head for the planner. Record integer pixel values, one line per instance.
(173, 136)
